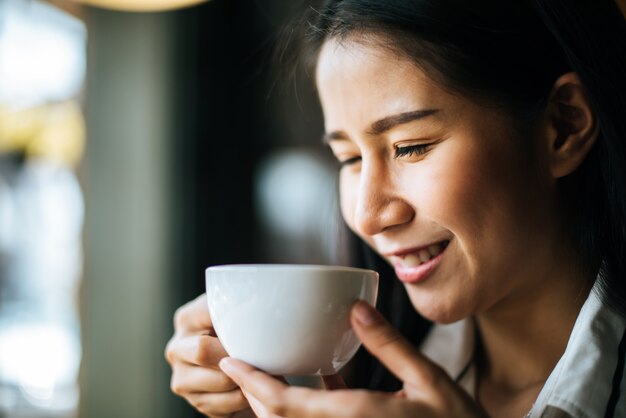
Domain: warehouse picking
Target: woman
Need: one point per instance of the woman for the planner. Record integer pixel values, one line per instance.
(482, 149)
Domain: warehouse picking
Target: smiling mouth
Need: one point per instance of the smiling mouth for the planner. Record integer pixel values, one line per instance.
(421, 256)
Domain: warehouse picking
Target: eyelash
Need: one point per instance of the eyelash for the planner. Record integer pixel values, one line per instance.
(409, 150)
(349, 161)
(399, 152)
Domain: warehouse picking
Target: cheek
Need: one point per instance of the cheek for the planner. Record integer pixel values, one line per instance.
(445, 189)
(455, 195)
(479, 196)
(463, 190)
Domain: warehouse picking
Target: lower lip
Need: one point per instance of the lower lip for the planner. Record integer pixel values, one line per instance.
(419, 273)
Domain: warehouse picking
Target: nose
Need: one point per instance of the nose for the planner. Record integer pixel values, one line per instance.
(380, 206)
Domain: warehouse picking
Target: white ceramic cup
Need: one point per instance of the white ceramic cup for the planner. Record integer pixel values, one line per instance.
(288, 319)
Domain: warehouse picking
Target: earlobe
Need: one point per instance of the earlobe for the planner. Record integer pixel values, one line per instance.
(573, 126)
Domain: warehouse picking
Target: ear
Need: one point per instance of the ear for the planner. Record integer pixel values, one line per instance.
(572, 128)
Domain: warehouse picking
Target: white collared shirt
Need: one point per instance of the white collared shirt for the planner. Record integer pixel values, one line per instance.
(589, 381)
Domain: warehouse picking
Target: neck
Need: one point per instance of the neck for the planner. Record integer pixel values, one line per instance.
(522, 338)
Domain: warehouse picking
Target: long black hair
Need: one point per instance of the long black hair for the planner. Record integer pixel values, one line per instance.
(509, 54)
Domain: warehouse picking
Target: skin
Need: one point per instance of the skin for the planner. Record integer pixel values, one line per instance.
(193, 352)
(479, 184)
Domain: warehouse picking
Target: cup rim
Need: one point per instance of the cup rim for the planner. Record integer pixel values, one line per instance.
(307, 267)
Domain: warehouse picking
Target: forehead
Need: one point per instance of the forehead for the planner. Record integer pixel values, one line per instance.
(365, 82)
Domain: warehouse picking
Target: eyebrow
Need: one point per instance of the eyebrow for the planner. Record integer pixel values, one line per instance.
(386, 123)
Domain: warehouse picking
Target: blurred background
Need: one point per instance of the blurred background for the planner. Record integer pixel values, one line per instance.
(136, 149)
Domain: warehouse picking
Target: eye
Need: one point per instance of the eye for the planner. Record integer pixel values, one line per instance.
(349, 161)
(411, 150)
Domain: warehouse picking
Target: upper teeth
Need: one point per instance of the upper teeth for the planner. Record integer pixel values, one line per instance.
(422, 256)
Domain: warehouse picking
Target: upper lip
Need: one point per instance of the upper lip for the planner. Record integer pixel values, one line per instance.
(403, 252)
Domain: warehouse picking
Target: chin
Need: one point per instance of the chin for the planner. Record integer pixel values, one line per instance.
(438, 310)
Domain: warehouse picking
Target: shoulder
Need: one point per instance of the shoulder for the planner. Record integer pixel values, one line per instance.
(589, 379)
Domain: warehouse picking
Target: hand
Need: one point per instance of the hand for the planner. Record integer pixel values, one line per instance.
(428, 392)
(194, 352)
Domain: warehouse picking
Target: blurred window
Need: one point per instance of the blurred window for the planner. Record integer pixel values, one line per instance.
(42, 136)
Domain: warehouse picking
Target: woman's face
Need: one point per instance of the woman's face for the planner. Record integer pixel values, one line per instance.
(440, 186)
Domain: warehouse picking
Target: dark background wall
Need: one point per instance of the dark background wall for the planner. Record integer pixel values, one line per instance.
(236, 109)
(181, 110)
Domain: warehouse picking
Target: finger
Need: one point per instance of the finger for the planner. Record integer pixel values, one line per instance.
(392, 349)
(333, 382)
(201, 350)
(253, 381)
(274, 398)
(195, 379)
(268, 396)
(258, 408)
(193, 316)
(218, 404)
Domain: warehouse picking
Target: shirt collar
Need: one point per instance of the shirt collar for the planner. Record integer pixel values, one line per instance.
(582, 381)
(451, 346)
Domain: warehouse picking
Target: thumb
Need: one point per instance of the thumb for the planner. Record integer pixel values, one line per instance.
(397, 354)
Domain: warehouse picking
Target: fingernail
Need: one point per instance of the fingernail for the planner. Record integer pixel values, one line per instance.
(364, 313)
